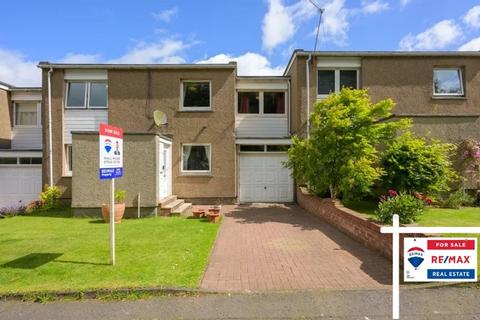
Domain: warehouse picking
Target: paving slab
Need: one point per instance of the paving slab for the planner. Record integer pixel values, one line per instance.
(270, 247)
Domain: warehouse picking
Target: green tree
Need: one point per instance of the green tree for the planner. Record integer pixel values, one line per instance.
(340, 157)
(411, 164)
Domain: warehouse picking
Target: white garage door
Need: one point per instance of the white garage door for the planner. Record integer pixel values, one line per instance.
(264, 179)
(19, 183)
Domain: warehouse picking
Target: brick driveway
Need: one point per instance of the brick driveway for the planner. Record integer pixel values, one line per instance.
(280, 247)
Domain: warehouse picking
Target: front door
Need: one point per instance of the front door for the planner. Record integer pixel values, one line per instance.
(165, 170)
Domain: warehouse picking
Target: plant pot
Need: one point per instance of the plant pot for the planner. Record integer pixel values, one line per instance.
(119, 211)
(213, 217)
(198, 213)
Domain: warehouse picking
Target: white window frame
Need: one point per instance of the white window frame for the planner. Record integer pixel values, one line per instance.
(261, 104)
(196, 172)
(86, 104)
(39, 120)
(17, 161)
(336, 79)
(66, 170)
(195, 109)
(264, 148)
(460, 72)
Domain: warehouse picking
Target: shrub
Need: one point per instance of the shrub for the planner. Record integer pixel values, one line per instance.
(340, 156)
(50, 197)
(12, 211)
(457, 199)
(34, 205)
(407, 206)
(410, 165)
(120, 196)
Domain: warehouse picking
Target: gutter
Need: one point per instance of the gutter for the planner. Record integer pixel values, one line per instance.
(50, 160)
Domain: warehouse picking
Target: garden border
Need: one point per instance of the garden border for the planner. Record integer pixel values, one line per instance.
(353, 224)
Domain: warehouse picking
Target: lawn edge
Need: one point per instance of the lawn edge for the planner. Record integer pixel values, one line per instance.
(102, 294)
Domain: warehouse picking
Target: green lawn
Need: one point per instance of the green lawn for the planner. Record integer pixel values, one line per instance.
(44, 253)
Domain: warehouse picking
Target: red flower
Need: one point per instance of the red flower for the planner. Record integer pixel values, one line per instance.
(392, 193)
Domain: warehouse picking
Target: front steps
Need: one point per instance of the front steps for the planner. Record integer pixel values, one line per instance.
(170, 206)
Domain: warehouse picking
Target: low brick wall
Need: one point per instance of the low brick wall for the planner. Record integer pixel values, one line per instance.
(351, 223)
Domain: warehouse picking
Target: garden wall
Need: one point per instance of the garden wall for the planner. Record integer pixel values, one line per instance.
(350, 222)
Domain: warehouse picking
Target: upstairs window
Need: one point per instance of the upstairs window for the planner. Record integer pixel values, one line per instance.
(26, 114)
(86, 94)
(329, 81)
(196, 95)
(261, 102)
(447, 82)
(274, 102)
(248, 102)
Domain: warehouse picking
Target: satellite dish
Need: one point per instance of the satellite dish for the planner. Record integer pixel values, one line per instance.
(160, 118)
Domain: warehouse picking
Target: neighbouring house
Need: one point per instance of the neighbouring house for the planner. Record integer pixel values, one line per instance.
(226, 136)
(20, 144)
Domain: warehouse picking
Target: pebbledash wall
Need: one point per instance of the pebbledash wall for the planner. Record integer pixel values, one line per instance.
(133, 95)
(350, 222)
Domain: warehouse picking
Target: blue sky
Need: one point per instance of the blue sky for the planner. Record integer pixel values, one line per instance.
(259, 34)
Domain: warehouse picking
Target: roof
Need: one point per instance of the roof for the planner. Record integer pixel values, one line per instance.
(9, 87)
(301, 52)
(46, 64)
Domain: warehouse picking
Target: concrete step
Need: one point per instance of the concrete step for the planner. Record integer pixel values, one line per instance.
(165, 201)
(184, 210)
(171, 206)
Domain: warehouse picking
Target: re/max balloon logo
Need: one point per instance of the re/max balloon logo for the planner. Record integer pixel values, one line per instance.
(108, 145)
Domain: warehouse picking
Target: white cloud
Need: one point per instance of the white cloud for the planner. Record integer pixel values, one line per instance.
(472, 45)
(281, 22)
(374, 6)
(166, 15)
(80, 58)
(403, 3)
(442, 34)
(165, 51)
(248, 64)
(278, 26)
(17, 70)
(472, 18)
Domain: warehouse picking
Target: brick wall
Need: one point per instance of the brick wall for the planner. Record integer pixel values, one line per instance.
(350, 222)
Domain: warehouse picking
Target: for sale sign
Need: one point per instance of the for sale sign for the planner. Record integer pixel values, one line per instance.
(111, 151)
(440, 259)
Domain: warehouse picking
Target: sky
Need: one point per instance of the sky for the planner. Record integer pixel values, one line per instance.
(259, 34)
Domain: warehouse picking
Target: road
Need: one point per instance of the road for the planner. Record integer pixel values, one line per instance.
(438, 303)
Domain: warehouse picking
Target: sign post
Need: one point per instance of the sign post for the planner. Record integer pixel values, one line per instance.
(111, 167)
(431, 259)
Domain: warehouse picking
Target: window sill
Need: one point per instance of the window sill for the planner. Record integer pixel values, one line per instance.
(65, 175)
(195, 110)
(449, 98)
(193, 174)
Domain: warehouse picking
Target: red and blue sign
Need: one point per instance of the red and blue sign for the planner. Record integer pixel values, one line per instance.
(111, 152)
(440, 259)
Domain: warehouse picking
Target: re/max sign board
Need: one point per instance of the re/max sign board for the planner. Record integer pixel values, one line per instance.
(440, 259)
(111, 151)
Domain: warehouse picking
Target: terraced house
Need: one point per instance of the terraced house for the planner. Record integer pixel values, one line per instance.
(224, 137)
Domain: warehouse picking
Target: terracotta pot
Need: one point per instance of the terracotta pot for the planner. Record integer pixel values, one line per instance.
(198, 213)
(213, 217)
(119, 211)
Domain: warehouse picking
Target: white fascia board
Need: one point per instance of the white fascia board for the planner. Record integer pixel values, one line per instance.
(20, 153)
(85, 74)
(338, 62)
(26, 96)
(263, 141)
(248, 84)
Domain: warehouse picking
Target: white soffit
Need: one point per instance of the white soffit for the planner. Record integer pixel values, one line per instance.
(248, 84)
(26, 96)
(85, 74)
(336, 62)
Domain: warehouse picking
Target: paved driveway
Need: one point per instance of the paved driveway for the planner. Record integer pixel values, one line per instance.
(280, 247)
